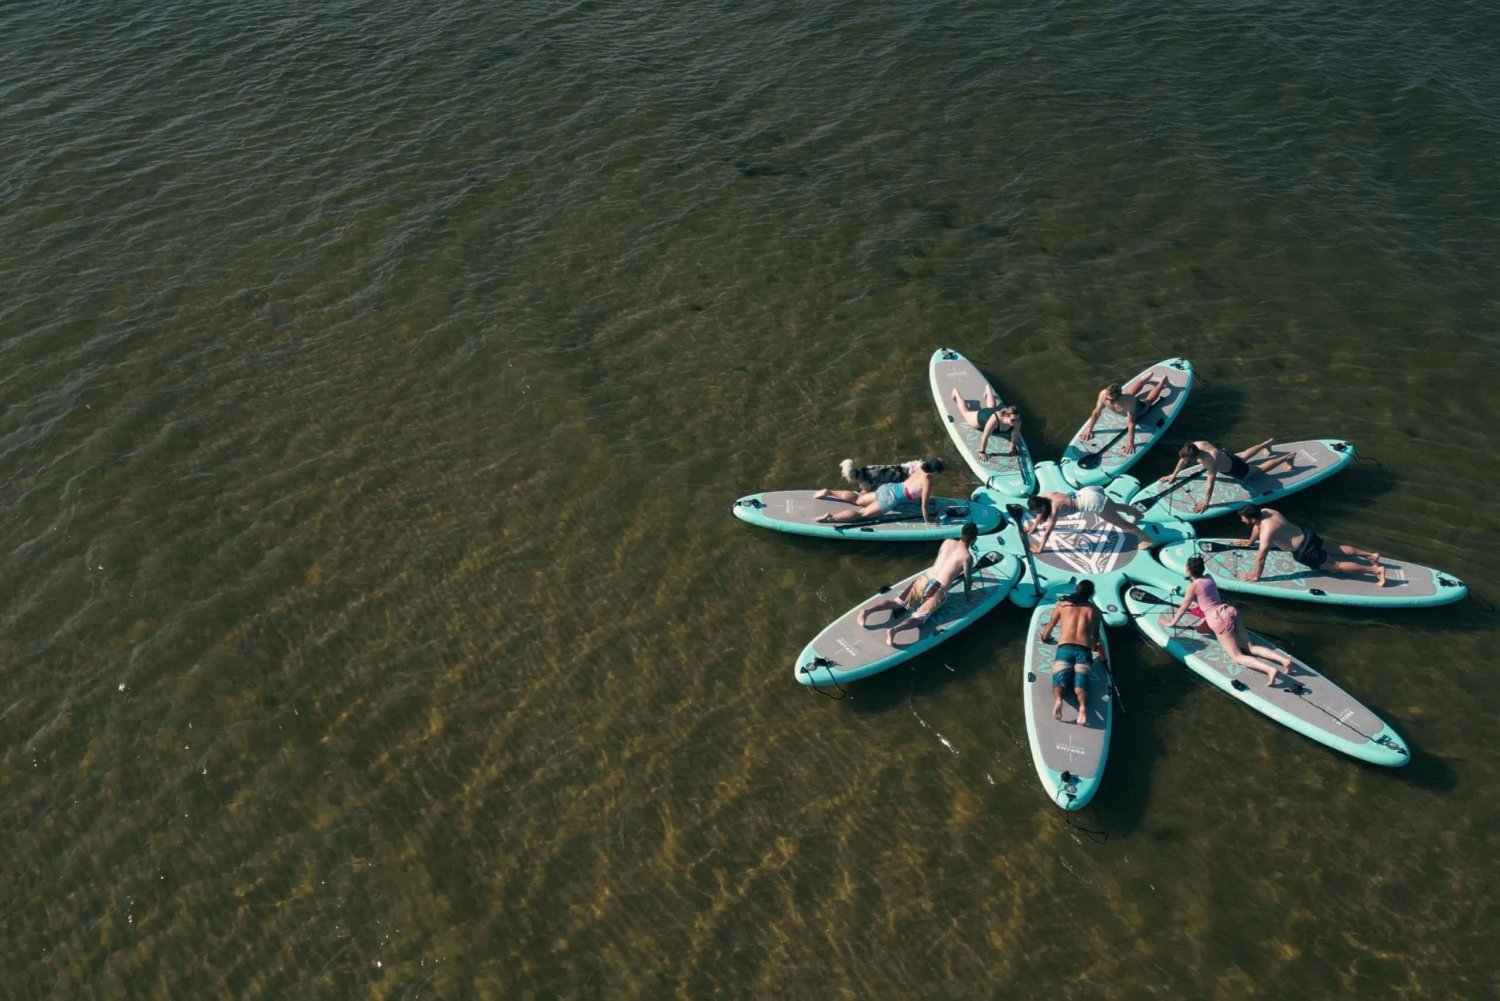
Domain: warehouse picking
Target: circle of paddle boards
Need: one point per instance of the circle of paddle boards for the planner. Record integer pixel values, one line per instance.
(1313, 461)
(1108, 441)
(1008, 473)
(847, 651)
(1069, 756)
(1083, 545)
(1310, 704)
(1408, 585)
(796, 511)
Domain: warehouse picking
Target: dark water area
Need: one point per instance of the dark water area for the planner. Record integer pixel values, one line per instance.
(377, 379)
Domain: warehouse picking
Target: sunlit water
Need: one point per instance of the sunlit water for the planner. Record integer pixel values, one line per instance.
(377, 378)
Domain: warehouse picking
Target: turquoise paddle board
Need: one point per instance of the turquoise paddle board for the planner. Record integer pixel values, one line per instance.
(1313, 462)
(1083, 545)
(1408, 585)
(795, 511)
(1003, 470)
(1103, 456)
(1310, 704)
(1069, 756)
(847, 651)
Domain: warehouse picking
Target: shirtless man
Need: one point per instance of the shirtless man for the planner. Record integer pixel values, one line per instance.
(1130, 402)
(926, 594)
(1275, 532)
(1236, 466)
(1077, 646)
(1047, 508)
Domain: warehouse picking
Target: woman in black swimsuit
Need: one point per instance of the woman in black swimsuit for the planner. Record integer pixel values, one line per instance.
(991, 419)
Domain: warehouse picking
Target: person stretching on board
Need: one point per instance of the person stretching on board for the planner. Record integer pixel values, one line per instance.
(1078, 645)
(1224, 620)
(1130, 401)
(1215, 461)
(1047, 508)
(991, 419)
(1274, 531)
(927, 593)
(886, 497)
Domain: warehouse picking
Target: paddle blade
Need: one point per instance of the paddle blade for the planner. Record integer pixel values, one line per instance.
(1090, 461)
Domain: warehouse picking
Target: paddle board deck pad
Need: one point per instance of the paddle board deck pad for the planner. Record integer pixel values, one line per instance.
(795, 511)
(847, 651)
(1069, 756)
(1082, 545)
(1107, 446)
(1011, 474)
(1313, 462)
(1310, 704)
(1408, 585)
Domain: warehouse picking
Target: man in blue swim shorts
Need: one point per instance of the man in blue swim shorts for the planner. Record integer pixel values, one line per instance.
(1078, 645)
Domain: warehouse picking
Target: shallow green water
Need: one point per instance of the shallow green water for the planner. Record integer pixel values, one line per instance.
(377, 378)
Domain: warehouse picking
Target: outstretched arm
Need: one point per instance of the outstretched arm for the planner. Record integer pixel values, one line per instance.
(1129, 434)
(1173, 474)
(1208, 491)
(1187, 601)
(1260, 556)
(1051, 520)
(1088, 427)
(989, 429)
(926, 494)
(1015, 437)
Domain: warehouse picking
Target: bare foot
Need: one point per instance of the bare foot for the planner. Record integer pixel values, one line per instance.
(890, 637)
(1057, 710)
(963, 404)
(1083, 717)
(820, 494)
(1271, 679)
(1378, 568)
(860, 618)
(823, 519)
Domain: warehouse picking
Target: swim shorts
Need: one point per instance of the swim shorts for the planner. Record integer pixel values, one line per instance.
(1070, 668)
(890, 496)
(1090, 500)
(1310, 552)
(924, 587)
(1238, 468)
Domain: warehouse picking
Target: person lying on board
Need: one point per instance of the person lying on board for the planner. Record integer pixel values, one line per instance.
(1273, 531)
(1078, 644)
(885, 498)
(1223, 619)
(1130, 401)
(1047, 508)
(1216, 462)
(991, 419)
(926, 594)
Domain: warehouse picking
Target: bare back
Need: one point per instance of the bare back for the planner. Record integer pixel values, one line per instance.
(951, 561)
(1278, 533)
(1077, 624)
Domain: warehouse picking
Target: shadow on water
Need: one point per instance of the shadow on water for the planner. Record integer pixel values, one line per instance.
(1152, 685)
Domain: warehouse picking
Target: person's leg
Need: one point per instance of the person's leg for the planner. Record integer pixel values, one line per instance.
(1376, 568)
(867, 509)
(847, 496)
(881, 605)
(1081, 693)
(971, 415)
(1062, 677)
(1255, 450)
(1230, 642)
(1267, 463)
(1154, 394)
(1118, 516)
(919, 618)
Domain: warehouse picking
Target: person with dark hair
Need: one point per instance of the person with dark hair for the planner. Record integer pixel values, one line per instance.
(1130, 401)
(927, 593)
(1078, 645)
(991, 419)
(1047, 508)
(1216, 462)
(1273, 531)
(1223, 619)
(887, 497)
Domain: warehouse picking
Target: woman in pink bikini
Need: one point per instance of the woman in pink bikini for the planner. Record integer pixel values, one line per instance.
(914, 491)
(1224, 619)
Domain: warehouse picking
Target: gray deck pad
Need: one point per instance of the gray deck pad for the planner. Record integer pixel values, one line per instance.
(1060, 746)
(1309, 703)
(1315, 460)
(1011, 474)
(1109, 443)
(1409, 584)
